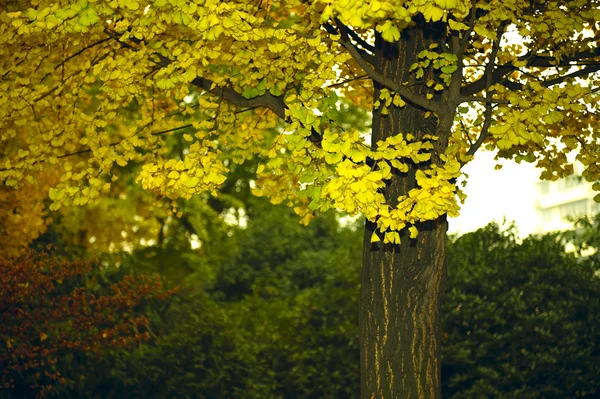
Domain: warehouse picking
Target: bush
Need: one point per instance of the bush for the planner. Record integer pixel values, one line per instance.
(45, 315)
(521, 320)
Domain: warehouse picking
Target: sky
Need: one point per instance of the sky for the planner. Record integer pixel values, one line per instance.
(494, 195)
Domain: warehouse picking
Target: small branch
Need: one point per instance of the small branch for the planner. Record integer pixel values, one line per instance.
(348, 81)
(159, 133)
(472, 18)
(88, 150)
(81, 51)
(483, 100)
(462, 123)
(533, 60)
(487, 119)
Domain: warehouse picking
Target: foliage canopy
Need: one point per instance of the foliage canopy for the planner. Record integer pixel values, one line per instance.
(89, 87)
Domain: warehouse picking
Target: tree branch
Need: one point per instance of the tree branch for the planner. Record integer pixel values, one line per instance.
(360, 41)
(532, 61)
(582, 72)
(348, 81)
(267, 100)
(487, 119)
(344, 32)
(483, 100)
(80, 51)
(472, 19)
(408, 95)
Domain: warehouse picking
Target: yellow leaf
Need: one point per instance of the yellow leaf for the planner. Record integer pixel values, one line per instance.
(391, 34)
(391, 237)
(432, 13)
(189, 74)
(333, 158)
(375, 237)
(413, 232)
(277, 47)
(445, 4)
(192, 182)
(455, 25)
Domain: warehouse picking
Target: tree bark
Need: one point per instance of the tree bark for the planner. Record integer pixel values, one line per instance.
(401, 285)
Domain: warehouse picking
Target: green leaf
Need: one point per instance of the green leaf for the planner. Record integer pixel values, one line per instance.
(333, 158)
(449, 69)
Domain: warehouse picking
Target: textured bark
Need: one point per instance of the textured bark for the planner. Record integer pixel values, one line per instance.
(401, 285)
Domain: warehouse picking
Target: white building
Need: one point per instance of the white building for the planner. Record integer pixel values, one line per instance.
(560, 200)
(515, 193)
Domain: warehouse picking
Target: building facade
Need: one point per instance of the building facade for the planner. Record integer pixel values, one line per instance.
(563, 199)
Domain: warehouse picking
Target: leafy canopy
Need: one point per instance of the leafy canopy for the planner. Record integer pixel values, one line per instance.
(89, 87)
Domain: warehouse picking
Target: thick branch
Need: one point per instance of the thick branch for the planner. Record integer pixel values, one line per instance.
(267, 100)
(344, 31)
(275, 104)
(360, 40)
(389, 83)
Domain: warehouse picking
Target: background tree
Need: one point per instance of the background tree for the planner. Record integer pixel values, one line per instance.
(88, 87)
(520, 320)
(46, 314)
(272, 321)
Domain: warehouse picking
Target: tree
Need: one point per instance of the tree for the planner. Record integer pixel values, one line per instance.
(90, 87)
(22, 217)
(279, 322)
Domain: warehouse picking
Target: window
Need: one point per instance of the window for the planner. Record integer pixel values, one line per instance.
(574, 209)
(569, 182)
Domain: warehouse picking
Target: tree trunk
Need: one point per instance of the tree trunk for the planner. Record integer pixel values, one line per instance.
(401, 285)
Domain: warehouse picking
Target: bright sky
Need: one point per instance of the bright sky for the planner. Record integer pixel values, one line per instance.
(497, 194)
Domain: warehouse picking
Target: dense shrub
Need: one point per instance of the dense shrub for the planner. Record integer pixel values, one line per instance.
(521, 320)
(46, 314)
(279, 320)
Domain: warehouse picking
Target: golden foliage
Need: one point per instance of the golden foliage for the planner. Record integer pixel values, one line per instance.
(97, 85)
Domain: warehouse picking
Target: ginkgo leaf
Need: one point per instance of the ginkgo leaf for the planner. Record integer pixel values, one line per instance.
(413, 232)
(333, 158)
(391, 34)
(375, 237)
(445, 4)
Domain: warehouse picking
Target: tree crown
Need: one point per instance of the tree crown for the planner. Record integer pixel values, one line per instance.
(89, 87)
